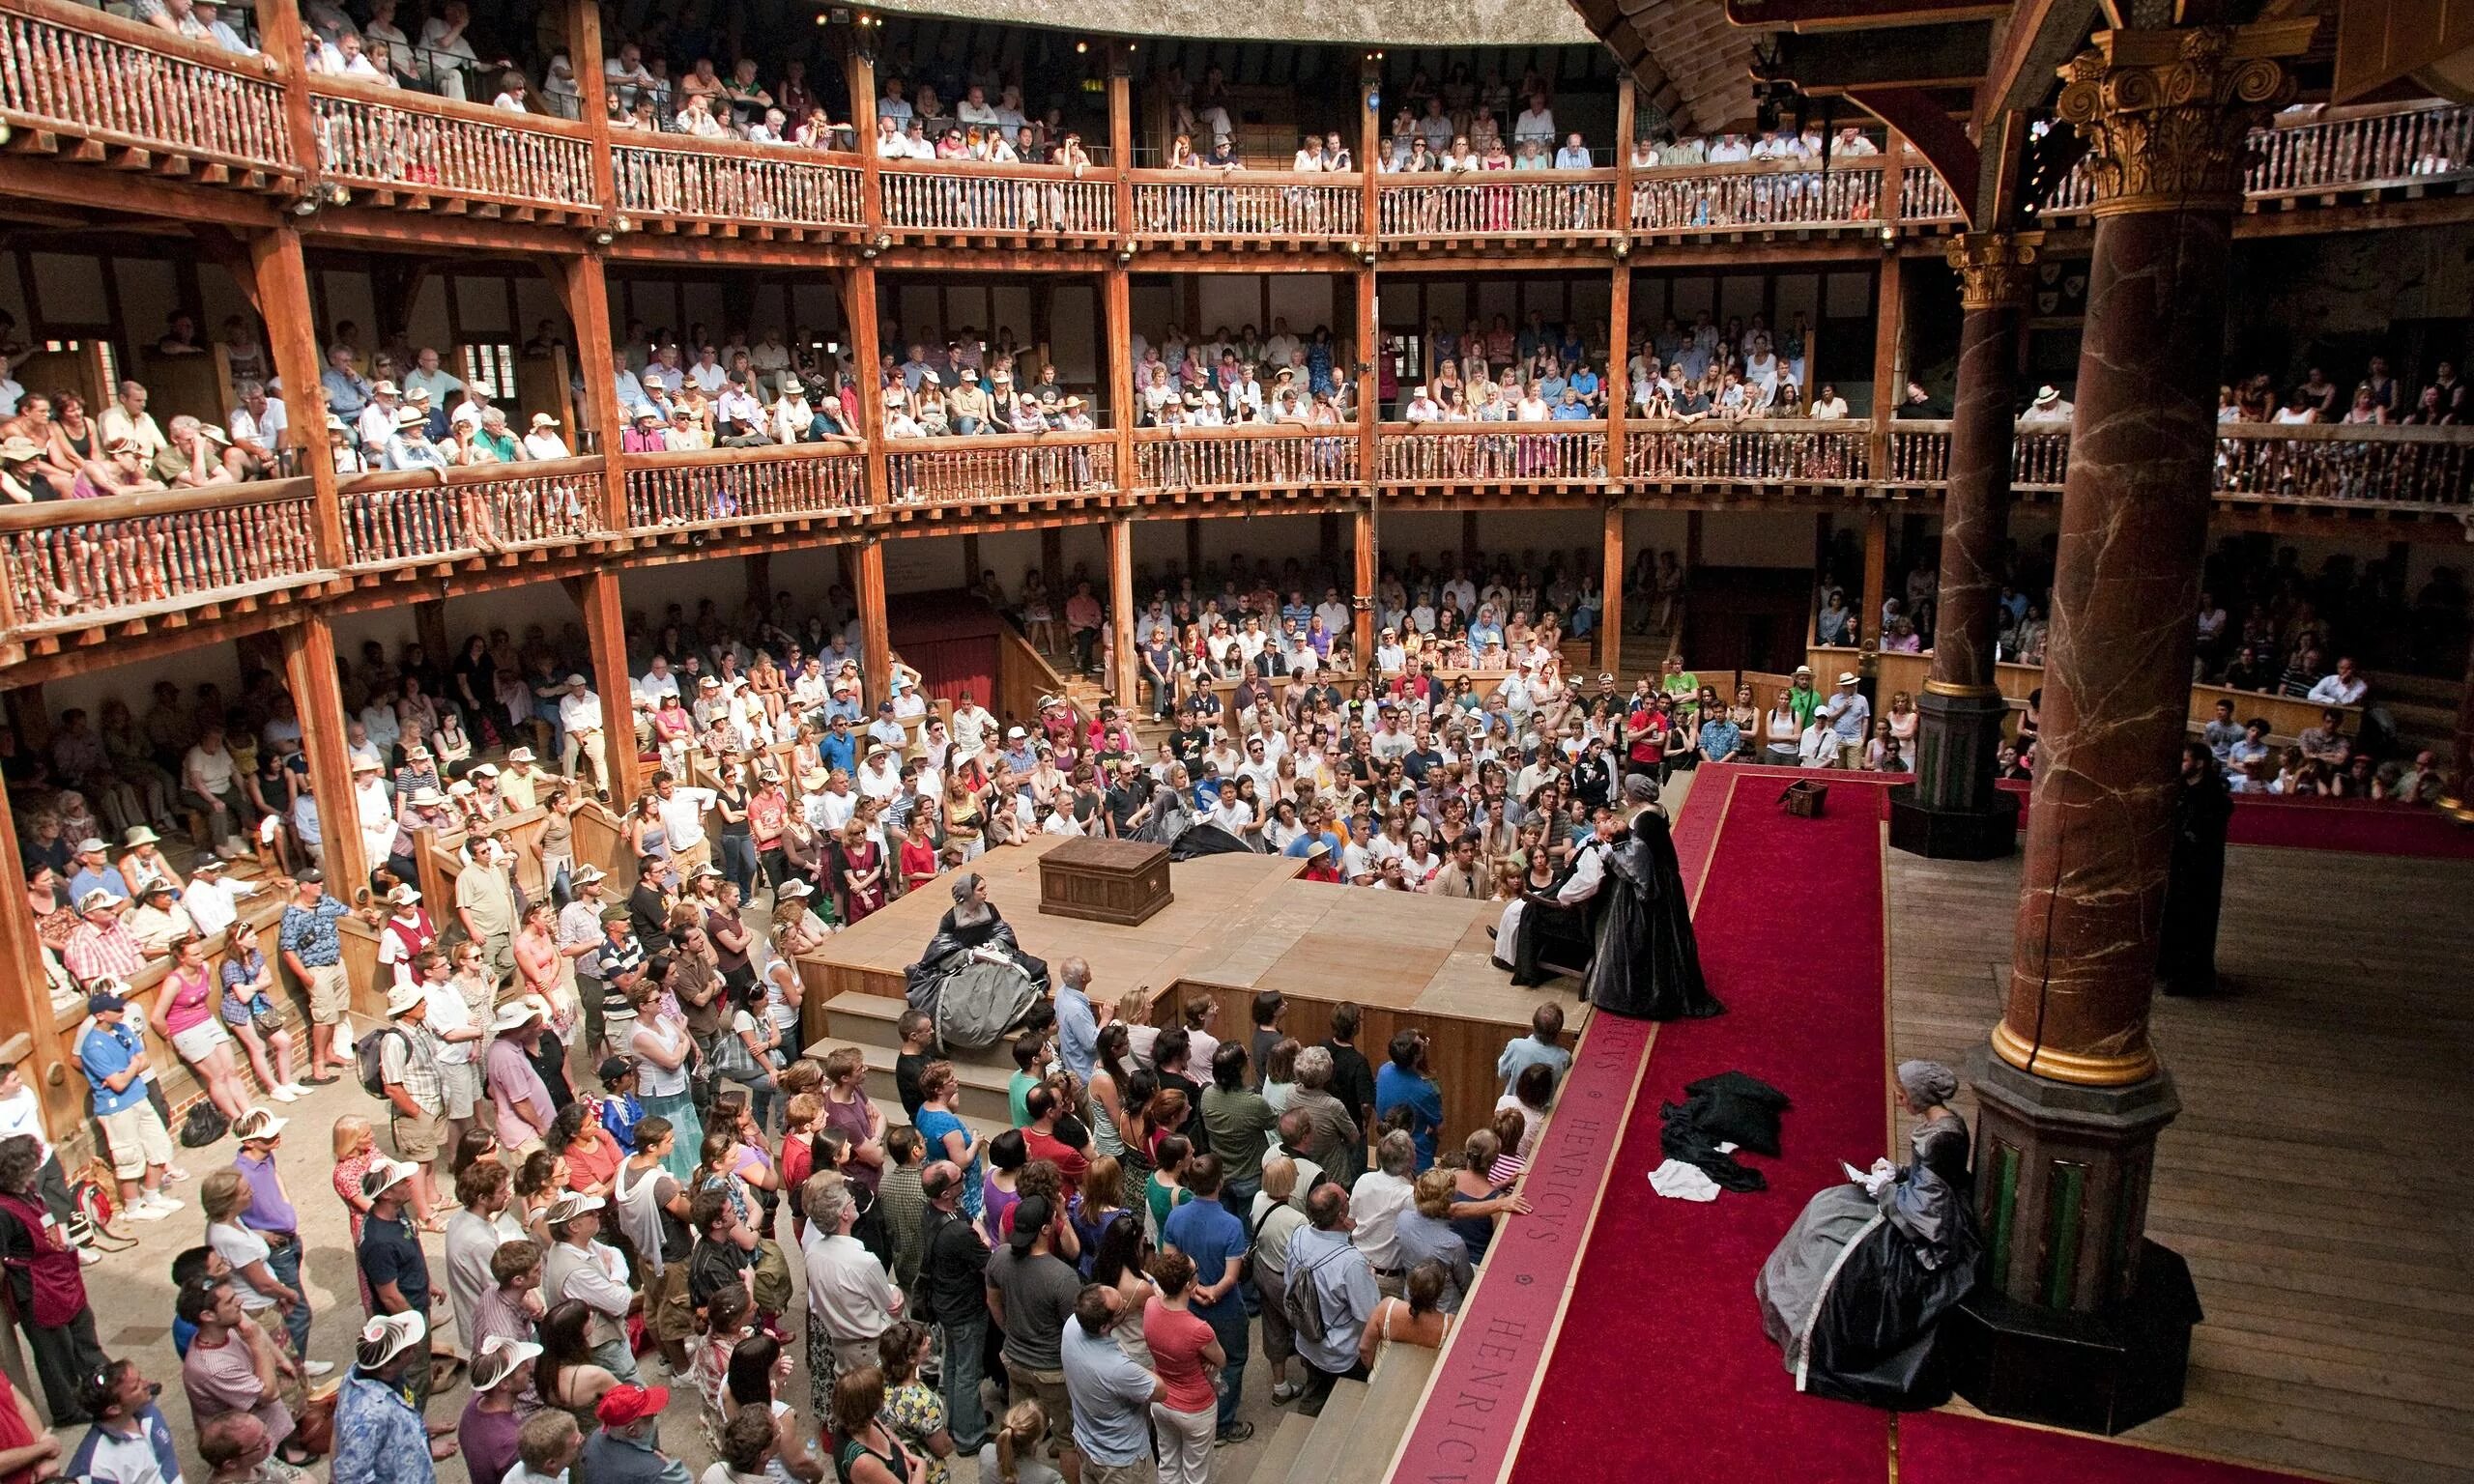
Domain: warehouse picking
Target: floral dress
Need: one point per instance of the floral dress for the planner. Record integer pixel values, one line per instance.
(912, 1412)
(348, 1173)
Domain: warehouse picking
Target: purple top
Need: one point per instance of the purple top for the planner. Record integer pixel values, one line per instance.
(851, 1119)
(268, 1211)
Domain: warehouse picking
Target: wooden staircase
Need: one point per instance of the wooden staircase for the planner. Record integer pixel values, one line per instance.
(1360, 1430)
(867, 1021)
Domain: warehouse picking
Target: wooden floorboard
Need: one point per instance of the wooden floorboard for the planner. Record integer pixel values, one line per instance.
(2317, 1179)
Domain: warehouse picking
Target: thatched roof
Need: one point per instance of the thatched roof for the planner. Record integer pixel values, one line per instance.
(1368, 24)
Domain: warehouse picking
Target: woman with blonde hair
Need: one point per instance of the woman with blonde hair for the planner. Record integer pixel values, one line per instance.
(1012, 1453)
(355, 1147)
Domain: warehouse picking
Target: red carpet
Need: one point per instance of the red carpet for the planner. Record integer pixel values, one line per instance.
(1941, 1448)
(2336, 824)
(1671, 1378)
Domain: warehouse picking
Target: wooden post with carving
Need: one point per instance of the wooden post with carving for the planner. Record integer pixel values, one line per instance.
(867, 348)
(1127, 674)
(605, 629)
(585, 293)
(592, 97)
(876, 641)
(280, 277)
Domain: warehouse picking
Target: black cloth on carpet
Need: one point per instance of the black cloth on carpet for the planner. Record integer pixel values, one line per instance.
(1732, 1107)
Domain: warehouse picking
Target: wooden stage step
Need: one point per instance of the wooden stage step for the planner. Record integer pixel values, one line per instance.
(1318, 1462)
(855, 1017)
(1280, 1455)
(983, 1084)
(1383, 1419)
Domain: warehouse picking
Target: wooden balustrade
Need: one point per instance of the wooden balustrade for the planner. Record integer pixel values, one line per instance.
(1730, 197)
(2039, 457)
(417, 515)
(1924, 196)
(1243, 459)
(1761, 450)
(1430, 453)
(1247, 205)
(1007, 466)
(1919, 453)
(410, 145)
(722, 486)
(967, 198)
(2391, 146)
(2346, 464)
(661, 183)
(1437, 211)
(70, 70)
(86, 561)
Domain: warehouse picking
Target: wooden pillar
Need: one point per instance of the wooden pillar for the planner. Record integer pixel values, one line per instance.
(1468, 537)
(860, 309)
(282, 41)
(1121, 133)
(971, 560)
(875, 640)
(1193, 550)
(584, 56)
(1618, 384)
(309, 672)
(1362, 599)
(605, 629)
(585, 290)
(25, 995)
(1877, 561)
(1610, 609)
(429, 627)
(1888, 311)
(1126, 678)
(281, 279)
(859, 70)
(1369, 146)
(1053, 564)
(1369, 385)
(1627, 127)
(759, 581)
(1116, 302)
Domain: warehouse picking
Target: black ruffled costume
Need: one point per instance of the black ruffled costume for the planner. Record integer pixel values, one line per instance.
(951, 942)
(1646, 962)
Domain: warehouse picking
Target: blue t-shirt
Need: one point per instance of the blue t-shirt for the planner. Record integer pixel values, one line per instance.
(1393, 1088)
(934, 1124)
(107, 1053)
(1207, 1232)
(838, 749)
(148, 1455)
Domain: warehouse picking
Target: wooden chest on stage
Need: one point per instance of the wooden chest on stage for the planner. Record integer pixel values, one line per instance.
(1119, 881)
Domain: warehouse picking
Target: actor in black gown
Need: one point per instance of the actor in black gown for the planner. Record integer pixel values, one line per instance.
(1646, 962)
(2195, 882)
(972, 921)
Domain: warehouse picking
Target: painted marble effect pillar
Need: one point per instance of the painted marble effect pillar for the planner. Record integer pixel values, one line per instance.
(2167, 115)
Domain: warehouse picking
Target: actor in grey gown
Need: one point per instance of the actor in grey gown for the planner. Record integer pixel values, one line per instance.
(1854, 1293)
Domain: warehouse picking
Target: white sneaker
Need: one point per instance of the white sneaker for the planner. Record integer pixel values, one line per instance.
(281, 1094)
(314, 1369)
(173, 1172)
(141, 1210)
(296, 1090)
(161, 1202)
(89, 1256)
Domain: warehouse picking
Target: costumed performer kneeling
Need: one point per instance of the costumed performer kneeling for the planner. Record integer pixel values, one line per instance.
(1855, 1292)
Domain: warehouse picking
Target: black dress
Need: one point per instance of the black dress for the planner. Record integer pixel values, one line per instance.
(1647, 963)
(1547, 936)
(952, 941)
(2193, 887)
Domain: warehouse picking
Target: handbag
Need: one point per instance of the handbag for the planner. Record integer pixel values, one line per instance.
(265, 1016)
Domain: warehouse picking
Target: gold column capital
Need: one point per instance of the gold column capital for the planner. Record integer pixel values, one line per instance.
(2168, 113)
(1994, 268)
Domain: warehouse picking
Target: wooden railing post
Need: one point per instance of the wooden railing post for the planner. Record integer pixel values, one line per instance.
(1617, 383)
(859, 311)
(1610, 604)
(317, 691)
(605, 629)
(586, 291)
(1369, 144)
(1888, 311)
(1369, 379)
(1888, 208)
(281, 279)
(281, 37)
(859, 70)
(1627, 126)
(592, 90)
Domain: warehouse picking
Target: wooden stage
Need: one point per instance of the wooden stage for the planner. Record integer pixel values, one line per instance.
(2317, 1179)
(1241, 923)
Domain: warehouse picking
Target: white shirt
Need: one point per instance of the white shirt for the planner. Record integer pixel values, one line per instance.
(683, 816)
(448, 1012)
(848, 1290)
(545, 446)
(2338, 691)
(211, 905)
(265, 430)
(22, 1114)
(580, 711)
(1377, 1201)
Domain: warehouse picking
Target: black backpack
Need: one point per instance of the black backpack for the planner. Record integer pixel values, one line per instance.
(1303, 1306)
(371, 1055)
(203, 1126)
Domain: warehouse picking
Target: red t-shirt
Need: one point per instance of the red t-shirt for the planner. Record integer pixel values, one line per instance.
(1177, 1338)
(1071, 1162)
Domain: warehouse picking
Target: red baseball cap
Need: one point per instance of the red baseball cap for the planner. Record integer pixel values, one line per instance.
(621, 1404)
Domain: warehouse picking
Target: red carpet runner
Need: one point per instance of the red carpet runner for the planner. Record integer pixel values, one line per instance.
(1471, 1421)
(1662, 1373)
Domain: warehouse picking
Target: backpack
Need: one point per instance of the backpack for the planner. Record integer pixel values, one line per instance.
(1303, 1306)
(203, 1125)
(371, 1054)
(93, 1202)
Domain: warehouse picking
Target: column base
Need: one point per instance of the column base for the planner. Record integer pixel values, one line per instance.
(2103, 1373)
(1953, 834)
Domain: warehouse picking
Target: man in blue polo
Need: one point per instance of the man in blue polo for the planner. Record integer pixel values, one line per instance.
(1212, 1235)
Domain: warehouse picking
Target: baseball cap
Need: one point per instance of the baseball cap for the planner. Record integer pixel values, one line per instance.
(622, 1405)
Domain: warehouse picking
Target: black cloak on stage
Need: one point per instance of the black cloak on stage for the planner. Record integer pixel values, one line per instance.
(2193, 886)
(1647, 963)
(946, 950)
(1550, 938)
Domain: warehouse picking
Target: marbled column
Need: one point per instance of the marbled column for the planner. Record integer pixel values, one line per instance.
(1960, 729)
(2167, 115)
